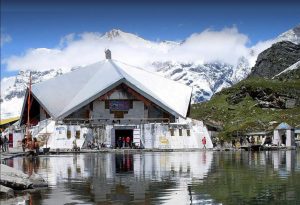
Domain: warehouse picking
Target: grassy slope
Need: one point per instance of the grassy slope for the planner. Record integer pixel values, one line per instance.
(245, 116)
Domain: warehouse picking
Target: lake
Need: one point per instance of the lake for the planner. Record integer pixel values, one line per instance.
(206, 177)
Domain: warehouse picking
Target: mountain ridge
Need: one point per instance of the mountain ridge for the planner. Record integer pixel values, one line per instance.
(205, 78)
(259, 102)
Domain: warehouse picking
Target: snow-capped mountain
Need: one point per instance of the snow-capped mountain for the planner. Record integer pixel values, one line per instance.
(206, 77)
(292, 35)
(13, 90)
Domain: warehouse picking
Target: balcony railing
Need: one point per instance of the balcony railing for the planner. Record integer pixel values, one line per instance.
(107, 121)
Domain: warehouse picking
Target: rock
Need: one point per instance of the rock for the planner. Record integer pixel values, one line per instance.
(14, 179)
(6, 191)
(17, 180)
(265, 97)
(37, 181)
(276, 59)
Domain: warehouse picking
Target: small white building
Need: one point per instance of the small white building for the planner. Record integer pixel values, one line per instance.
(284, 135)
(110, 100)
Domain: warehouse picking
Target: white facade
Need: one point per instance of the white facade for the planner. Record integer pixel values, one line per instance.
(59, 136)
(148, 136)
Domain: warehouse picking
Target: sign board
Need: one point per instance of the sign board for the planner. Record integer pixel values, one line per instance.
(163, 140)
(137, 137)
(119, 105)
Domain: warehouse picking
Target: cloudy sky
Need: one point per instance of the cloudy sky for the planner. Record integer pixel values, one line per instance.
(50, 34)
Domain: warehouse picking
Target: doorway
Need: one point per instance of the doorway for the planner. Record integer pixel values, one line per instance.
(283, 139)
(120, 137)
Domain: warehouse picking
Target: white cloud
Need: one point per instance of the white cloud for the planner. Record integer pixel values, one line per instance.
(73, 50)
(5, 38)
(226, 45)
(258, 48)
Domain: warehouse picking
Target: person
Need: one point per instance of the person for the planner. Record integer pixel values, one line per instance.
(222, 142)
(123, 142)
(204, 142)
(5, 143)
(24, 142)
(252, 140)
(90, 145)
(268, 140)
(128, 141)
(233, 143)
(248, 140)
(119, 142)
(1, 144)
(241, 141)
(75, 148)
(36, 146)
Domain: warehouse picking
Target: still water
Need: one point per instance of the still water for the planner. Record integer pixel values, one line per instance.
(165, 178)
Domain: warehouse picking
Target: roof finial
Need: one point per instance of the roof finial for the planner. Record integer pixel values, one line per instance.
(107, 54)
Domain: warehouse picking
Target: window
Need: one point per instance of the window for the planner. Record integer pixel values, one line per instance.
(77, 134)
(172, 132)
(69, 134)
(106, 104)
(118, 114)
(188, 132)
(180, 132)
(131, 104)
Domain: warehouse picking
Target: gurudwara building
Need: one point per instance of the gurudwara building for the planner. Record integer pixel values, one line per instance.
(109, 100)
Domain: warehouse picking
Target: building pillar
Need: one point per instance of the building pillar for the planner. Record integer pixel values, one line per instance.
(288, 138)
(276, 137)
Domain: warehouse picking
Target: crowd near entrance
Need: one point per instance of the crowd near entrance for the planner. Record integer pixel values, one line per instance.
(123, 138)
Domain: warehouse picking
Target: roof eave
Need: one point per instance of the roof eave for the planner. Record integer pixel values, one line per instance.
(154, 100)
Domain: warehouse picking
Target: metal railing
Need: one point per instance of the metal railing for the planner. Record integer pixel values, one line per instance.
(105, 121)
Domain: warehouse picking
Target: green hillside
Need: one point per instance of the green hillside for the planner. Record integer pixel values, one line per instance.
(252, 105)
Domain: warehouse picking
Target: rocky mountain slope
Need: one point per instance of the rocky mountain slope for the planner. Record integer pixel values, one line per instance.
(205, 78)
(292, 72)
(273, 61)
(258, 103)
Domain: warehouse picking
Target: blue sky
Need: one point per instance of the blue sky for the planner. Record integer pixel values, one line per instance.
(38, 24)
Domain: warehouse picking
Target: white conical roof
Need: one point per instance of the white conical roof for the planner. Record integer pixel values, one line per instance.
(64, 94)
(283, 126)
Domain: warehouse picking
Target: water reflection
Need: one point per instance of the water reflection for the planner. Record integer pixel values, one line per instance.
(170, 178)
(124, 163)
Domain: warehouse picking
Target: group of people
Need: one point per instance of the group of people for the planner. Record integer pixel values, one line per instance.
(92, 145)
(234, 143)
(4, 144)
(32, 145)
(124, 142)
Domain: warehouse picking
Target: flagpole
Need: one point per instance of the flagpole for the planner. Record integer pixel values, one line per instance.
(28, 108)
